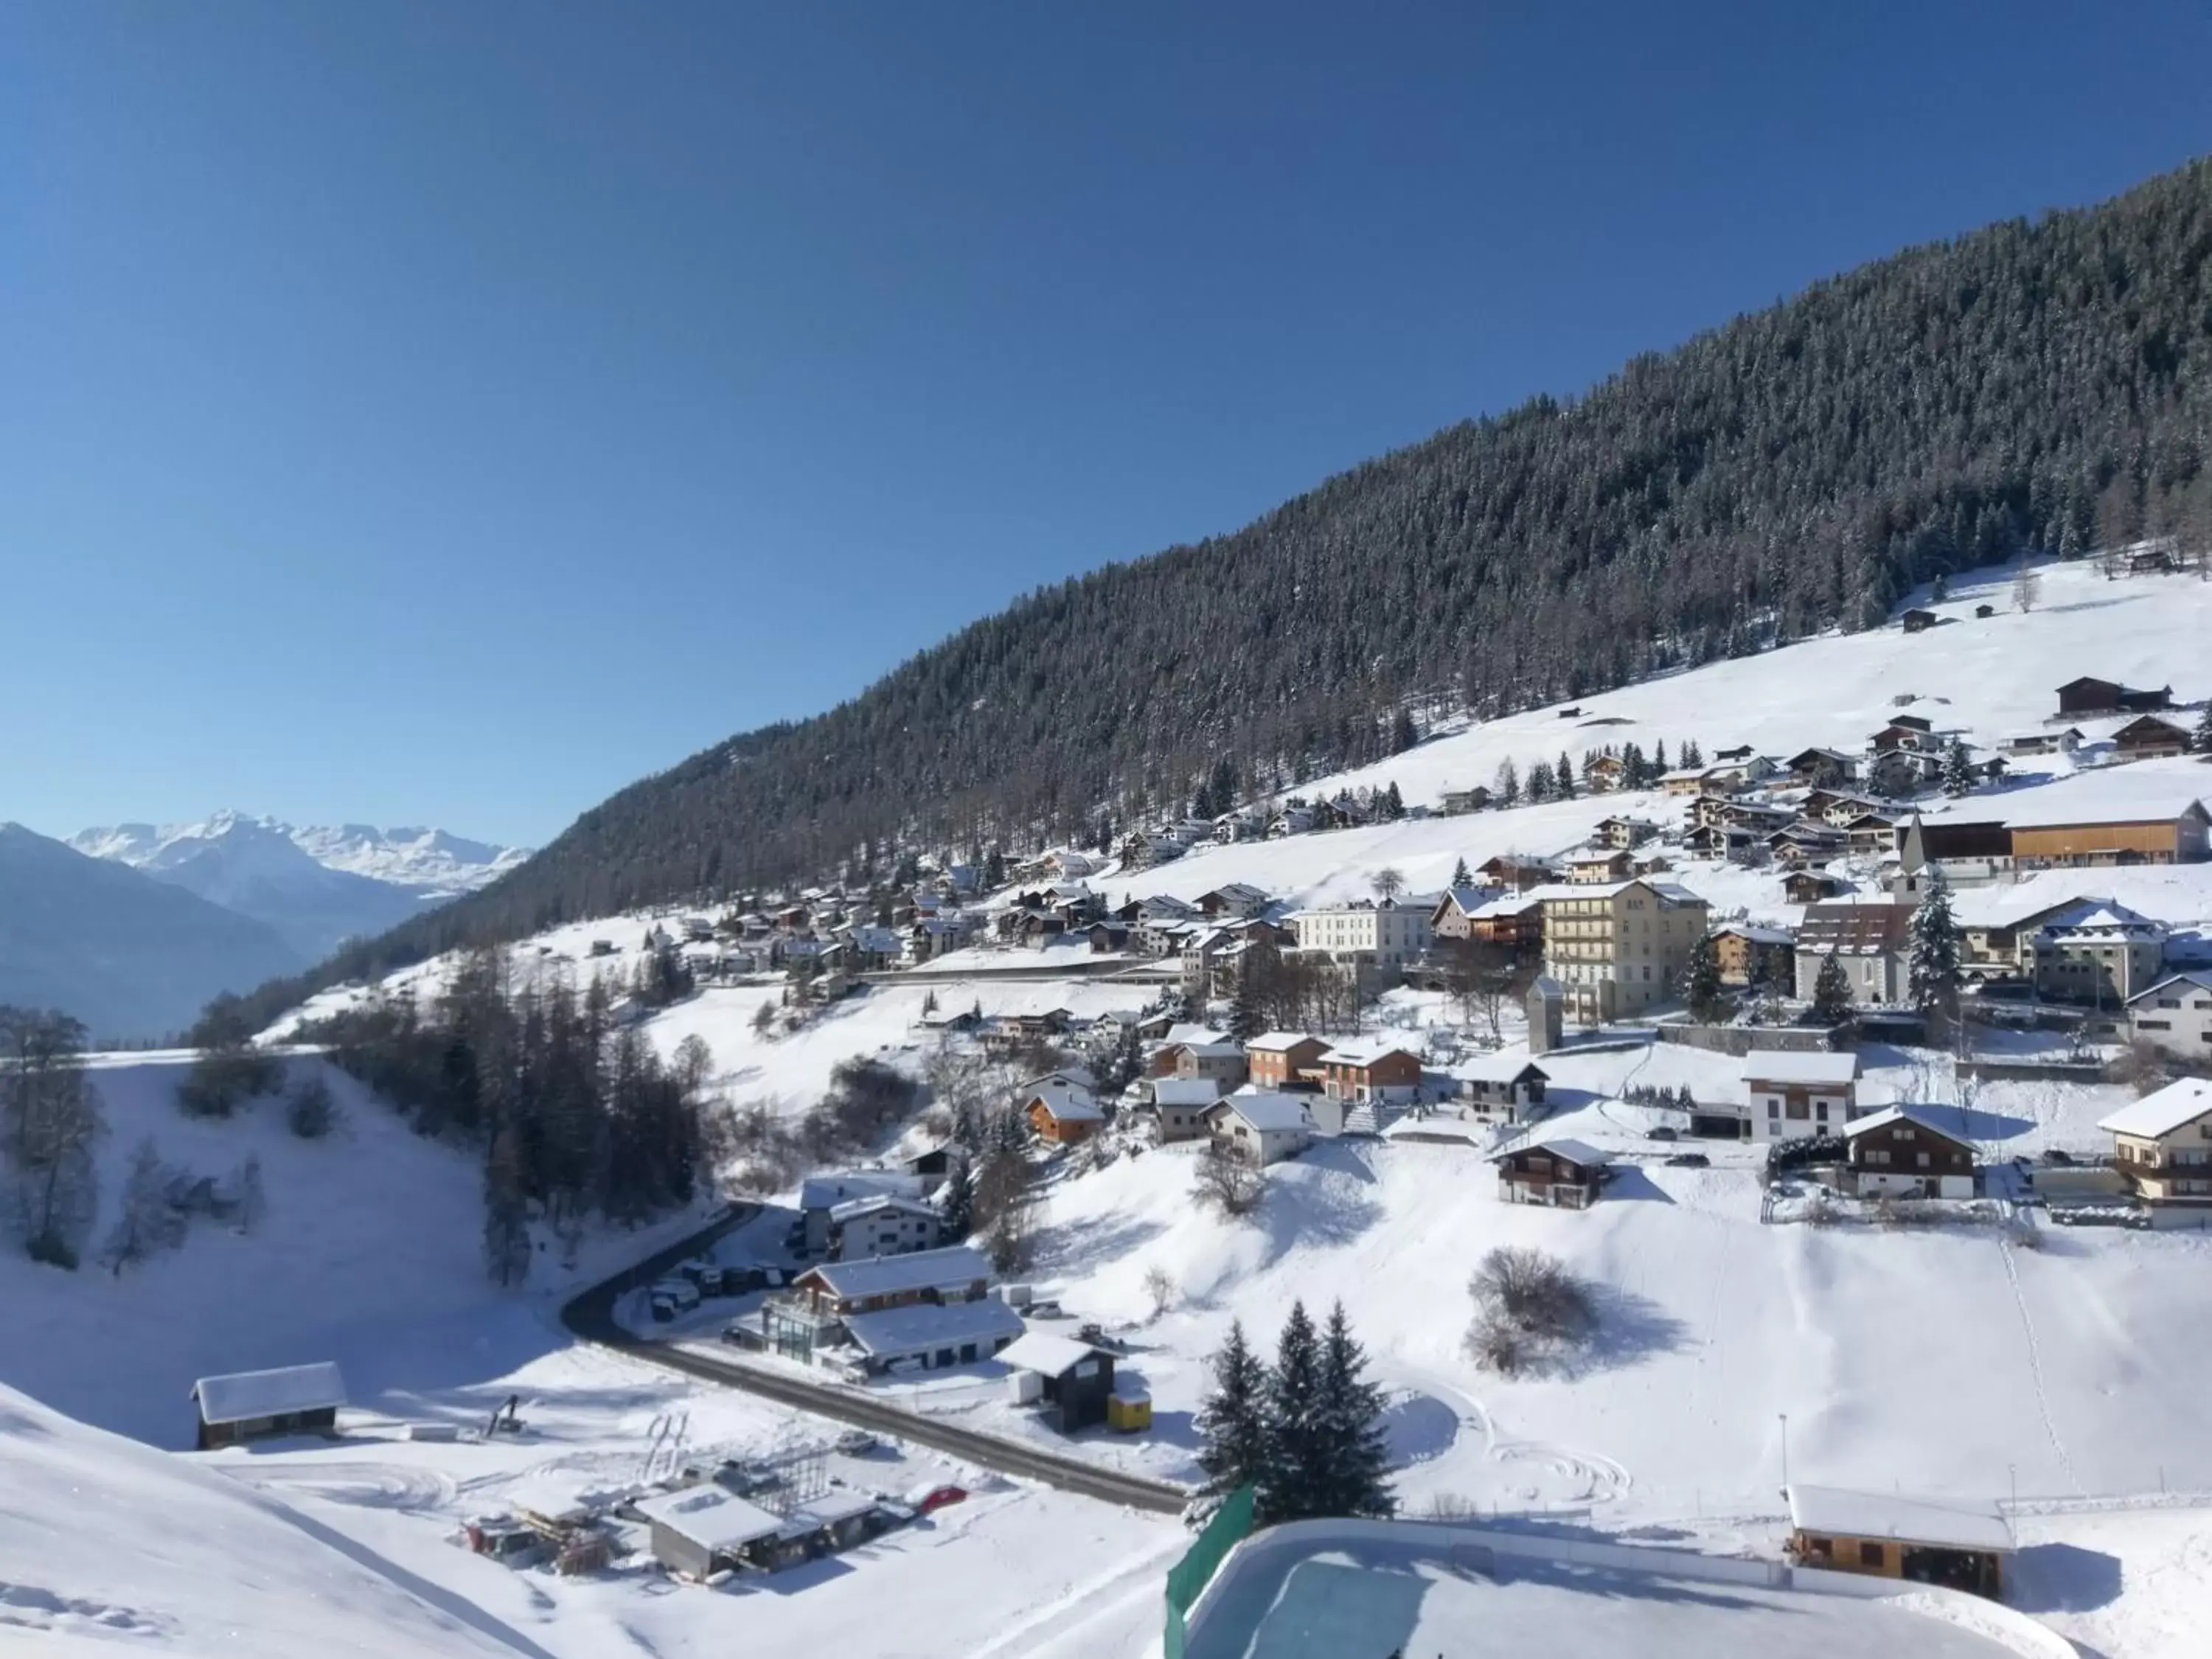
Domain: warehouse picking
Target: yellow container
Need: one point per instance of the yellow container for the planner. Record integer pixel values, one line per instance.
(1128, 1414)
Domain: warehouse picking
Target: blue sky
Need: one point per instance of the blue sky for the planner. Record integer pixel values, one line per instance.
(427, 413)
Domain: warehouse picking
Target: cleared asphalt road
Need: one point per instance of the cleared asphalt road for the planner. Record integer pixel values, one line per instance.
(590, 1316)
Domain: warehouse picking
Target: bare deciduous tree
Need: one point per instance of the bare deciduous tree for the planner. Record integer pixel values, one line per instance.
(1159, 1288)
(1228, 1181)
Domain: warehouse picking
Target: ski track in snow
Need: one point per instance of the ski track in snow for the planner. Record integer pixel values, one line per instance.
(366, 1486)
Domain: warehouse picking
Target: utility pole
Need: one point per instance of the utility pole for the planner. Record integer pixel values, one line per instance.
(1785, 1452)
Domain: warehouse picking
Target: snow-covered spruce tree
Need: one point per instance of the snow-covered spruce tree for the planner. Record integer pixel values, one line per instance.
(1932, 968)
(1831, 991)
(1232, 1423)
(1247, 1018)
(956, 1204)
(2202, 743)
(1701, 980)
(1540, 781)
(1297, 1456)
(1958, 769)
(1461, 876)
(1357, 1474)
(1563, 777)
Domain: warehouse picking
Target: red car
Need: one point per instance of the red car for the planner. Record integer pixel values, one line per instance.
(937, 1497)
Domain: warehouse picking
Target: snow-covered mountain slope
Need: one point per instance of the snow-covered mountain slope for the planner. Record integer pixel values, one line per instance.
(316, 887)
(430, 860)
(368, 1253)
(129, 955)
(107, 1545)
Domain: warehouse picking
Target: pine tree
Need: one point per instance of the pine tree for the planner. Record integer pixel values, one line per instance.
(1232, 1423)
(1297, 1457)
(1540, 781)
(1633, 774)
(1247, 1019)
(1701, 979)
(2202, 743)
(1563, 777)
(1402, 734)
(1659, 758)
(1958, 769)
(1355, 1472)
(1396, 807)
(506, 1226)
(1692, 756)
(1508, 787)
(1932, 970)
(1831, 991)
(956, 1204)
(1461, 876)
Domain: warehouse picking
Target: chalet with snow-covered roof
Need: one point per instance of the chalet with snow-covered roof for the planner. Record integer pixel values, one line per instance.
(1561, 1173)
(1178, 1105)
(1810, 886)
(1233, 899)
(2175, 1017)
(2063, 741)
(1372, 1070)
(1061, 1113)
(1624, 831)
(1508, 1083)
(1516, 873)
(1454, 916)
(1454, 803)
(243, 1405)
(1260, 1126)
(882, 1224)
(2163, 1145)
(1600, 864)
(819, 1196)
(1903, 1151)
(1822, 768)
(2096, 952)
(2148, 737)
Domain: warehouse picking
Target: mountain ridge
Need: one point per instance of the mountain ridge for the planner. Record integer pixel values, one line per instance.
(2035, 385)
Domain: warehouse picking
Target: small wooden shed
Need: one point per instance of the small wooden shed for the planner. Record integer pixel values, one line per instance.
(261, 1405)
(1887, 1535)
(1076, 1379)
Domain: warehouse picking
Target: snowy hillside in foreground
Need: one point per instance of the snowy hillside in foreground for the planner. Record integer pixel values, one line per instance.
(108, 1546)
(368, 1255)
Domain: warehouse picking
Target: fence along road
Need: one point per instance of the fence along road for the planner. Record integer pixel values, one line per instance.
(589, 1316)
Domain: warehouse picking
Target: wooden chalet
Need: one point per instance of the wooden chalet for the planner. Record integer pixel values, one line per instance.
(2090, 695)
(244, 1405)
(1563, 1173)
(1902, 1152)
(2148, 737)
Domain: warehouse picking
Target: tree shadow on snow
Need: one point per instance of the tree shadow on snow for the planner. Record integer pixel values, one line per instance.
(1074, 1248)
(1631, 1184)
(1630, 1328)
(2063, 1578)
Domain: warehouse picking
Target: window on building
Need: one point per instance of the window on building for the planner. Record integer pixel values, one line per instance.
(1869, 1555)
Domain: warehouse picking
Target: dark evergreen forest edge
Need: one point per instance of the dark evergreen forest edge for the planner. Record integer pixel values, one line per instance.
(2041, 385)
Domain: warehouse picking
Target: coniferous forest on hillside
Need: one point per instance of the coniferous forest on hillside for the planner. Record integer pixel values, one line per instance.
(2039, 386)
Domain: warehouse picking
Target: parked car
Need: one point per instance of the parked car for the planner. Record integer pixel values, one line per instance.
(929, 1499)
(1688, 1161)
(857, 1443)
(1660, 1132)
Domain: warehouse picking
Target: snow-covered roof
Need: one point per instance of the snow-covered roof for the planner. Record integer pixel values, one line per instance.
(888, 1275)
(1757, 934)
(2163, 1112)
(2146, 791)
(2201, 981)
(1276, 1043)
(1185, 1091)
(2102, 918)
(1889, 1115)
(921, 1326)
(853, 1208)
(711, 1517)
(289, 1389)
(1066, 1103)
(826, 1191)
(1506, 1065)
(1078, 1077)
(1045, 1353)
(1670, 892)
(1796, 1065)
(1358, 1053)
(1180, 1033)
(1268, 1111)
(1212, 1050)
(1566, 1146)
(1837, 1513)
(828, 1510)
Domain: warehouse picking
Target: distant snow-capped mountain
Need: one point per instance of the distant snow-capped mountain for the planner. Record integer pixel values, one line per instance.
(316, 886)
(432, 860)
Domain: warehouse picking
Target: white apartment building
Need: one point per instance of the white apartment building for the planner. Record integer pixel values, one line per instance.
(2175, 1017)
(1381, 934)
